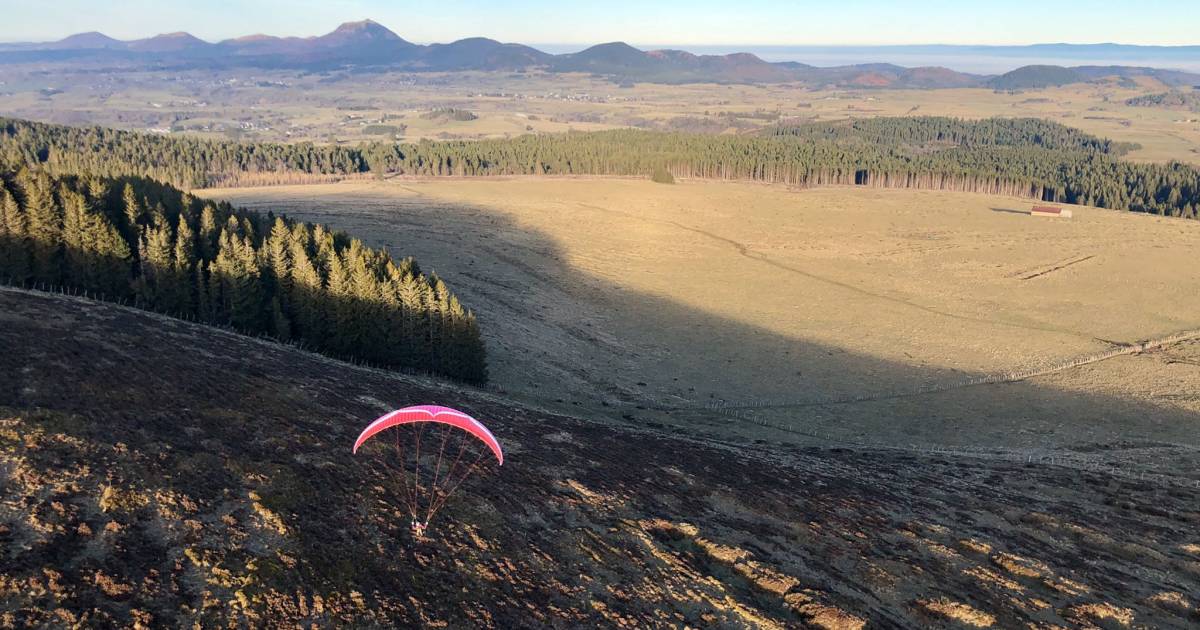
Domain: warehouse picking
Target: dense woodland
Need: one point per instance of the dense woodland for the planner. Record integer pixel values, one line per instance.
(1025, 157)
(1168, 100)
(1031, 77)
(180, 160)
(450, 113)
(968, 134)
(137, 240)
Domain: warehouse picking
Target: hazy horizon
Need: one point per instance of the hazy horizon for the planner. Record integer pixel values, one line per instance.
(694, 23)
(986, 59)
(559, 47)
(972, 58)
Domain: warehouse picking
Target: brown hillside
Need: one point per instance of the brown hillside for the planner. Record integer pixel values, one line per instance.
(158, 473)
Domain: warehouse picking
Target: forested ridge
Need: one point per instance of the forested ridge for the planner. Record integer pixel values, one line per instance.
(180, 160)
(1025, 157)
(967, 134)
(137, 240)
(1170, 100)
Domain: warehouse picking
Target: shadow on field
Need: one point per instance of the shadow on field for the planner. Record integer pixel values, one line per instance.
(164, 473)
(576, 342)
(188, 476)
(1009, 211)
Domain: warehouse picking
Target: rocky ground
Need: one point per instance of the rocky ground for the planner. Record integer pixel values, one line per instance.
(159, 473)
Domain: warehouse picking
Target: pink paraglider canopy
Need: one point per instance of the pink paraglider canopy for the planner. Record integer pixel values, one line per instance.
(432, 413)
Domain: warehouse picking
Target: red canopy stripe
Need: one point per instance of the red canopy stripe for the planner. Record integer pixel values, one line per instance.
(432, 413)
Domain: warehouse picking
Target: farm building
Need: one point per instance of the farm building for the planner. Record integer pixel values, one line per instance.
(1050, 211)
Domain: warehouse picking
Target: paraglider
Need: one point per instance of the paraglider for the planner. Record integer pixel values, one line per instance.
(464, 435)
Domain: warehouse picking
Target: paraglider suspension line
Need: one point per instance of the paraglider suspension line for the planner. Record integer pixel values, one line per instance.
(445, 480)
(442, 501)
(417, 469)
(410, 499)
(437, 467)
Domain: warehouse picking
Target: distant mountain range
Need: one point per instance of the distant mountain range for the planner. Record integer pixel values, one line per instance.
(369, 45)
(977, 59)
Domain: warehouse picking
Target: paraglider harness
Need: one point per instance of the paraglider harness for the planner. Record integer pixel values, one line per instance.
(418, 528)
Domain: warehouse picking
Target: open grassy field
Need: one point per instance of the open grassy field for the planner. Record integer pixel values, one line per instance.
(322, 107)
(848, 314)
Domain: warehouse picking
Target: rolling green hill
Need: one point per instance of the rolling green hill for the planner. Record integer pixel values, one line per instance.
(1031, 77)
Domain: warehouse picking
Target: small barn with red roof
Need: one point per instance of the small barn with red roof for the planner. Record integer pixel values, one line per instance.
(1050, 211)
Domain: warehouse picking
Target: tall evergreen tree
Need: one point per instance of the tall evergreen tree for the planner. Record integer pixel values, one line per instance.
(238, 276)
(43, 227)
(77, 239)
(340, 313)
(306, 287)
(209, 232)
(155, 286)
(132, 209)
(112, 259)
(184, 270)
(14, 241)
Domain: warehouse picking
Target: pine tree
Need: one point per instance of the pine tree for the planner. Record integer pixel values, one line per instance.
(218, 289)
(76, 239)
(473, 368)
(339, 312)
(157, 215)
(279, 256)
(278, 264)
(206, 238)
(14, 243)
(44, 228)
(364, 302)
(132, 209)
(114, 266)
(439, 307)
(413, 322)
(239, 278)
(306, 285)
(155, 286)
(453, 359)
(183, 271)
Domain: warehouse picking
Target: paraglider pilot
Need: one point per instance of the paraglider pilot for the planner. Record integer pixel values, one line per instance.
(418, 528)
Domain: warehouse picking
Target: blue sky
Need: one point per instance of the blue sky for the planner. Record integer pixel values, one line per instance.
(683, 22)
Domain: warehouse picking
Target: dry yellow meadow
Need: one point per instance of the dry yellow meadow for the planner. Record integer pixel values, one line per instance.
(842, 313)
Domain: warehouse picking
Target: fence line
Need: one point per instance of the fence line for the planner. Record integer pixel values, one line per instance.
(260, 337)
(1010, 376)
(1013, 455)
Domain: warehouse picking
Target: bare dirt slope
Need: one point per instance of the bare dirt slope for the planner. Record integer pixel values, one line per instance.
(159, 473)
(607, 295)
